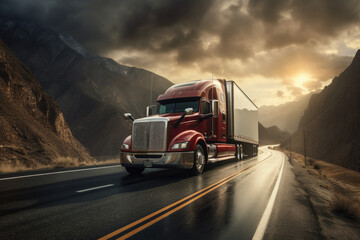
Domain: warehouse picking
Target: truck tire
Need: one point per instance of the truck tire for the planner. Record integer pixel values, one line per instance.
(134, 170)
(199, 160)
(239, 155)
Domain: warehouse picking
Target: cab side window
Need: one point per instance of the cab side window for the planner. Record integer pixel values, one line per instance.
(205, 107)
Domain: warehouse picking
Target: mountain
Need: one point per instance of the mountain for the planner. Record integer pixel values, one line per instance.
(332, 121)
(271, 135)
(286, 116)
(33, 131)
(93, 92)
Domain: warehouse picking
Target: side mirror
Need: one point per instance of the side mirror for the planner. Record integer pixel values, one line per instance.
(128, 116)
(189, 111)
(150, 110)
(215, 108)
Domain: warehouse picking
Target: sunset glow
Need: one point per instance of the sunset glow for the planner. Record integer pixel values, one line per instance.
(290, 47)
(301, 78)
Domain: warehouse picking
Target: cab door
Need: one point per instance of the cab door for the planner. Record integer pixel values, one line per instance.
(205, 121)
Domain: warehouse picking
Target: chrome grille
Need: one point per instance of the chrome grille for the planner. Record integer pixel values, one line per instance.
(150, 134)
(140, 136)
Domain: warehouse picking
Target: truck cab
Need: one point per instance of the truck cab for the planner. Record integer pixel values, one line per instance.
(189, 130)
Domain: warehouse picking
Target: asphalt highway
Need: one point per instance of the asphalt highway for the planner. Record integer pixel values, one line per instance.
(257, 198)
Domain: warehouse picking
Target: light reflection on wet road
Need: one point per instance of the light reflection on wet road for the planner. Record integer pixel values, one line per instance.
(52, 206)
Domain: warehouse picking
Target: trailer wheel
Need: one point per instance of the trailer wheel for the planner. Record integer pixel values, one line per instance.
(199, 160)
(239, 155)
(134, 170)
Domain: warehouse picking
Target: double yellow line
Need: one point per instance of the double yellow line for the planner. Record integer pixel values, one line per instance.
(185, 201)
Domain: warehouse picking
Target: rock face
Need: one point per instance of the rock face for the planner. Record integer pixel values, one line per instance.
(332, 121)
(92, 92)
(271, 135)
(32, 127)
(286, 116)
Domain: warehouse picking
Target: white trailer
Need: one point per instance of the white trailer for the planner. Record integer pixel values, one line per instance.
(242, 122)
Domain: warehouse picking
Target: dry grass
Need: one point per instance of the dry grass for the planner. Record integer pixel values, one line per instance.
(63, 162)
(337, 173)
(17, 166)
(108, 161)
(328, 170)
(7, 167)
(60, 162)
(345, 184)
(346, 206)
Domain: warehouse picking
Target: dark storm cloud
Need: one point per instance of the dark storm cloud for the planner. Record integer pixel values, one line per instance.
(268, 11)
(105, 25)
(303, 22)
(237, 34)
(181, 27)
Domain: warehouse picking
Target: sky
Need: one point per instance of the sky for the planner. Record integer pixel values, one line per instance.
(276, 50)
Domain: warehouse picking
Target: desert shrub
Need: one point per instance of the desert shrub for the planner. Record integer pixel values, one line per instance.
(62, 162)
(317, 166)
(346, 206)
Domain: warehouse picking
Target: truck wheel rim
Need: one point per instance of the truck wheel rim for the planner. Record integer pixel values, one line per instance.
(199, 160)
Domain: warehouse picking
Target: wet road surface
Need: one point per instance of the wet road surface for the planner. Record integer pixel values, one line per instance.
(228, 201)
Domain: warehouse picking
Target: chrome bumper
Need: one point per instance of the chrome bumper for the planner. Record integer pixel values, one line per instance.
(158, 160)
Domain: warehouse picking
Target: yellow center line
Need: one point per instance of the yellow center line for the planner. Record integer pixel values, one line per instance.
(142, 227)
(159, 211)
(222, 181)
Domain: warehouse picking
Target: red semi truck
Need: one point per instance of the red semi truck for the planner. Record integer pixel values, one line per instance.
(196, 123)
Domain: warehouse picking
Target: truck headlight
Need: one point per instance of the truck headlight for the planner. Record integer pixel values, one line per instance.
(181, 145)
(125, 146)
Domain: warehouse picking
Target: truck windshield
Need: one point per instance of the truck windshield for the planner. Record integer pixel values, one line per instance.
(178, 105)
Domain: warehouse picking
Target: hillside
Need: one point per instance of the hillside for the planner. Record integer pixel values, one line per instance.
(93, 92)
(33, 131)
(332, 121)
(271, 135)
(286, 116)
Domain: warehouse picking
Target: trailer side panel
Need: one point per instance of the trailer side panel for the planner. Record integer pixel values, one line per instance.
(242, 115)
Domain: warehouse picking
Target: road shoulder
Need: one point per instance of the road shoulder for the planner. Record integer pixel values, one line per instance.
(293, 216)
(321, 194)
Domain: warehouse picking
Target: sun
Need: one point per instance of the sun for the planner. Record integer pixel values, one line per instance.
(300, 78)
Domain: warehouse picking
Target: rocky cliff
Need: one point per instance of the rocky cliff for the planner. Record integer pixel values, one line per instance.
(33, 131)
(271, 135)
(332, 121)
(286, 116)
(93, 92)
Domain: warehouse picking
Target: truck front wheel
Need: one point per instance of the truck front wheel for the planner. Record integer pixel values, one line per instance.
(199, 160)
(134, 170)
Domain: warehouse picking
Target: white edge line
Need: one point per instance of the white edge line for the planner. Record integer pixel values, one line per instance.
(260, 230)
(94, 188)
(59, 172)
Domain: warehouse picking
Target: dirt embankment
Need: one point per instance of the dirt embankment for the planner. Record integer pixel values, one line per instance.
(334, 193)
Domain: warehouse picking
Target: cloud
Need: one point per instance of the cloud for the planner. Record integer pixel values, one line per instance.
(312, 85)
(182, 26)
(287, 62)
(295, 91)
(184, 39)
(280, 93)
(304, 22)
